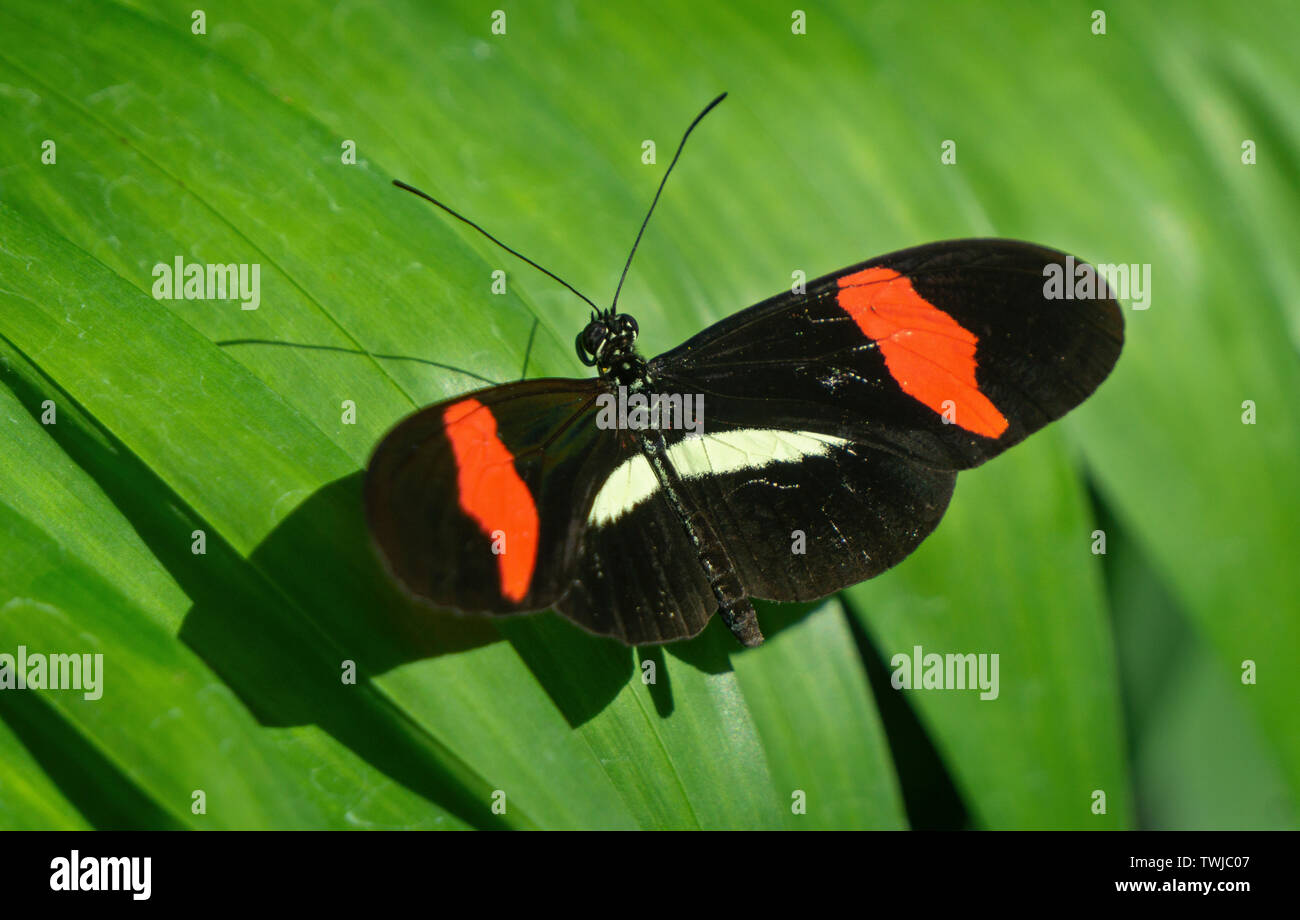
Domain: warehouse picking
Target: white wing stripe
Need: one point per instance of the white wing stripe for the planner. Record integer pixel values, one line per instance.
(700, 455)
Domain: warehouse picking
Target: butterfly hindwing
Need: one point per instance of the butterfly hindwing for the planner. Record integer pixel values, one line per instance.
(946, 353)
(800, 514)
(639, 578)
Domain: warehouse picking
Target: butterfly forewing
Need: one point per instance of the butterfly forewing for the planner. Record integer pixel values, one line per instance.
(476, 503)
(483, 503)
(946, 353)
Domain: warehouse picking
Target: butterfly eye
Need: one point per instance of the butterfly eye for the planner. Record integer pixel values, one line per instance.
(594, 335)
(589, 341)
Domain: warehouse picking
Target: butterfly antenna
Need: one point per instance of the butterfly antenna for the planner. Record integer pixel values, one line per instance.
(514, 252)
(662, 182)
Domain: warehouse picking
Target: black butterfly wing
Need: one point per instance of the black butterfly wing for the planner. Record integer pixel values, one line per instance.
(639, 578)
(481, 503)
(799, 514)
(946, 354)
(834, 420)
(470, 501)
(829, 514)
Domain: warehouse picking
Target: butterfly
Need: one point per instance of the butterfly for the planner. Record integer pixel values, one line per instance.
(797, 447)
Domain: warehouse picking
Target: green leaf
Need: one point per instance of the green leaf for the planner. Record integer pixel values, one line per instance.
(225, 671)
(980, 585)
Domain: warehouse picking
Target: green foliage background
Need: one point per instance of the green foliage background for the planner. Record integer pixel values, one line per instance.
(1119, 673)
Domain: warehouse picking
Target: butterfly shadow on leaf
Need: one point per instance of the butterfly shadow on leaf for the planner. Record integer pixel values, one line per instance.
(283, 626)
(338, 605)
(360, 609)
(335, 603)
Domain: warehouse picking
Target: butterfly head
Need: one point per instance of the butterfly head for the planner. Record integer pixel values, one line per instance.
(608, 343)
